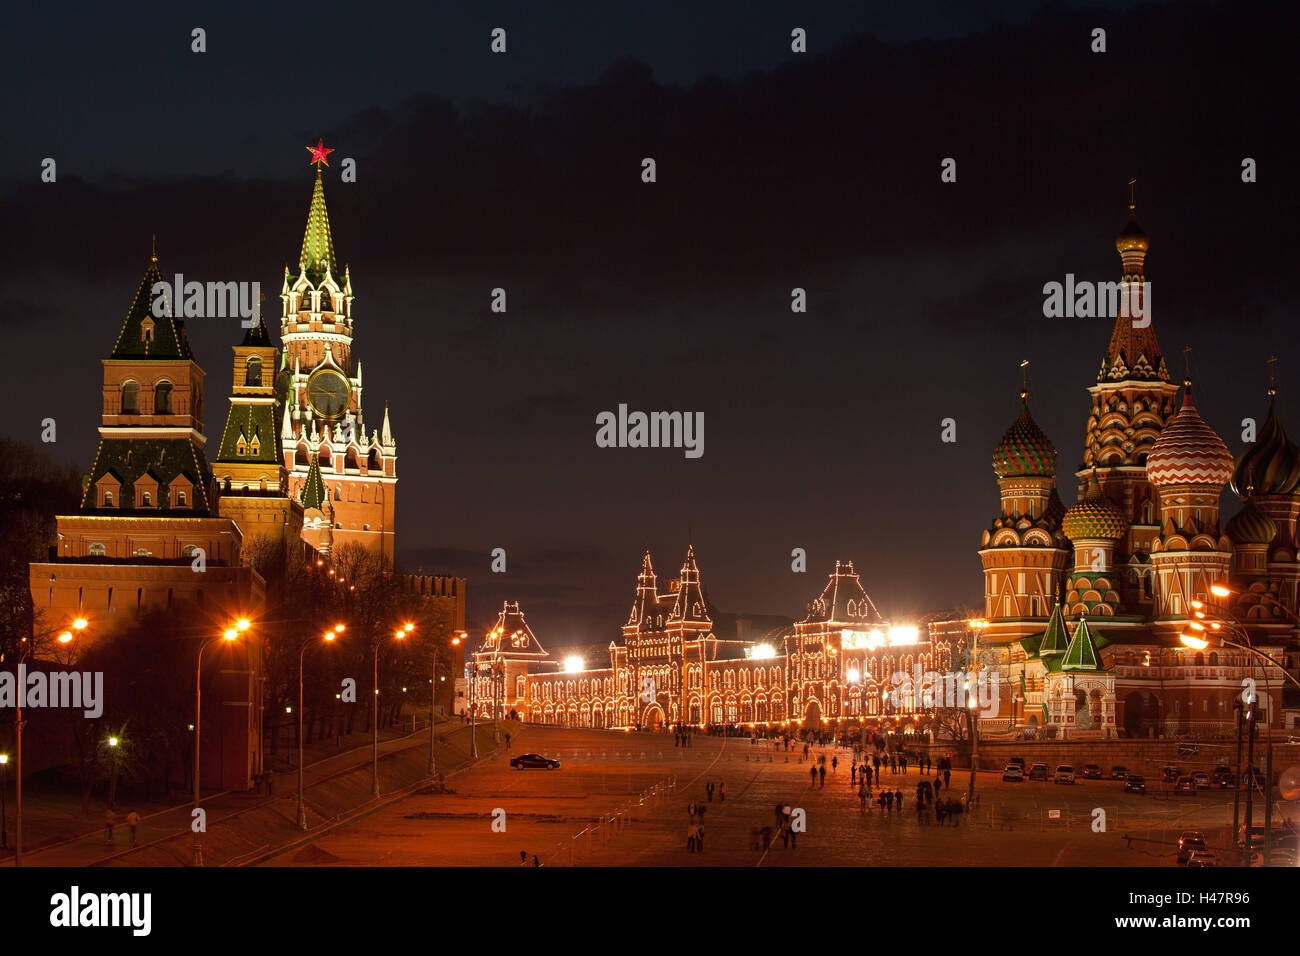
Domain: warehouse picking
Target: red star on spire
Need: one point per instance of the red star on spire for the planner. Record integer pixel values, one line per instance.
(318, 153)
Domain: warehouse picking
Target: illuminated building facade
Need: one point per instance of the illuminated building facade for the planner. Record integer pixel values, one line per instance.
(671, 669)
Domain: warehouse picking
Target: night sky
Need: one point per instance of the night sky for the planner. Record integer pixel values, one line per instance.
(775, 170)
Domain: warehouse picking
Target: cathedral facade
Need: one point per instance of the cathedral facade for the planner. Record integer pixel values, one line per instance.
(1087, 606)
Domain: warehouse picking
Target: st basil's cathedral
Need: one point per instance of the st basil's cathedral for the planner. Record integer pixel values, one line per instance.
(1087, 606)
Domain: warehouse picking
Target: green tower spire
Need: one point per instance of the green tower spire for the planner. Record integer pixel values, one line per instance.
(317, 244)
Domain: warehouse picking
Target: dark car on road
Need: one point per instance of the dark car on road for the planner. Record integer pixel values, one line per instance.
(1170, 773)
(1038, 772)
(1185, 784)
(1118, 772)
(534, 762)
(1224, 778)
(1189, 842)
(1091, 771)
(1135, 783)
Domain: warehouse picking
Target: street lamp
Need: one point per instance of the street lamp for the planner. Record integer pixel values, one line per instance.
(78, 624)
(1201, 637)
(327, 637)
(4, 814)
(229, 636)
(374, 710)
(976, 625)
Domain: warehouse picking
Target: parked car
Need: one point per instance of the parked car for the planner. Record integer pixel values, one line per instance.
(1224, 777)
(1013, 774)
(1091, 771)
(1038, 771)
(1135, 783)
(1170, 773)
(1188, 842)
(1185, 784)
(534, 762)
(1017, 762)
(1281, 837)
(1064, 774)
(1118, 773)
(1201, 858)
(1283, 856)
(1201, 779)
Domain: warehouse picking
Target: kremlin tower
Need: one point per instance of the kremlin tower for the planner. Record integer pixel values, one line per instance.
(344, 478)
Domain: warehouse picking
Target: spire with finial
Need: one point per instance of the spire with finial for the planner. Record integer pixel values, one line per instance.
(317, 256)
(153, 247)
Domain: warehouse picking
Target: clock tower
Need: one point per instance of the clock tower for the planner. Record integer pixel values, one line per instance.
(323, 428)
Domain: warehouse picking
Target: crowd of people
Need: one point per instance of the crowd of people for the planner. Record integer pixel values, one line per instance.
(868, 764)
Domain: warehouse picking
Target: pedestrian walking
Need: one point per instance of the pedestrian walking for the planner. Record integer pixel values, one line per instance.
(708, 788)
(722, 792)
(903, 760)
(699, 837)
(536, 862)
(853, 775)
(690, 838)
(110, 821)
(812, 772)
(133, 821)
(862, 797)
(523, 857)
(898, 798)
(507, 741)
(822, 771)
(835, 763)
(947, 775)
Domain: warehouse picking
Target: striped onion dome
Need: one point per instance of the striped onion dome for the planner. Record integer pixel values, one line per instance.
(1024, 450)
(1188, 452)
(1272, 463)
(1251, 526)
(1094, 517)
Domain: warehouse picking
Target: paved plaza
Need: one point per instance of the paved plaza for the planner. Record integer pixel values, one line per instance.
(605, 772)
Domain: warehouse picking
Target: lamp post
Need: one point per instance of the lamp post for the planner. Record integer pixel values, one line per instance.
(433, 702)
(4, 813)
(972, 703)
(374, 709)
(302, 653)
(64, 638)
(228, 636)
(1198, 636)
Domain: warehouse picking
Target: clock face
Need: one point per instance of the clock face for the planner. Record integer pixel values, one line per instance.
(329, 393)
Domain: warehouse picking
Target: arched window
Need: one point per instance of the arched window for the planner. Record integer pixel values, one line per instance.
(130, 398)
(98, 550)
(162, 398)
(148, 500)
(253, 371)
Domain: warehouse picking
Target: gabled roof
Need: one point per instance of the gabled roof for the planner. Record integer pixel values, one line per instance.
(690, 604)
(844, 600)
(166, 340)
(163, 459)
(517, 640)
(258, 336)
(1081, 655)
(249, 419)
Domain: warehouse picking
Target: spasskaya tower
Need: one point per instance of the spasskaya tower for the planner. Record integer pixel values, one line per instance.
(345, 477)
